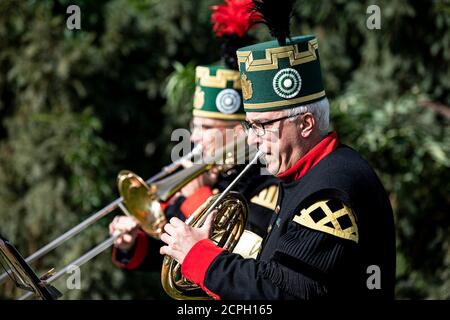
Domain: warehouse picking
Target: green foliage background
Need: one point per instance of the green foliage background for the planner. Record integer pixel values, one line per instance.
(78, 106)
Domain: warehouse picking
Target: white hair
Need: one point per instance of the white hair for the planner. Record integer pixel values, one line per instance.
(319, 109)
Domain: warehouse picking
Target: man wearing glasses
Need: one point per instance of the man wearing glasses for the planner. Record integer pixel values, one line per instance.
(217, 113)
(332, 235)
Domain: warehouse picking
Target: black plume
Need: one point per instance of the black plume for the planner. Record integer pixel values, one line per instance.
(229, 46)
(276, 14)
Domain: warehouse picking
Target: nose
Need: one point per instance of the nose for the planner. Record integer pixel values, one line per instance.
(252, 138)
(196, 136)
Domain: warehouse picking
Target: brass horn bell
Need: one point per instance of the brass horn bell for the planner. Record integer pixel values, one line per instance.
(227, 228)
(141, 203)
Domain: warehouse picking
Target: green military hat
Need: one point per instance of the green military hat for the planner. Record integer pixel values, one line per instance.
(218, 93)
(282, 73)
(277, 77)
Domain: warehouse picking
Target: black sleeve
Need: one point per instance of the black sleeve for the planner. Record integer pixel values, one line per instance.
(303, 263)
(152, 260)
(173, 210)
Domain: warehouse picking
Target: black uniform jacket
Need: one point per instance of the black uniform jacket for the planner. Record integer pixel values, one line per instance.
(332, 237)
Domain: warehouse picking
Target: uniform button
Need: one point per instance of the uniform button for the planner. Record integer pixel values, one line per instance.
(277, 209)
(278, 222)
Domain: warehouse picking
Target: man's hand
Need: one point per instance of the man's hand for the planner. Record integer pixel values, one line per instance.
(180, 238)
(126, 224)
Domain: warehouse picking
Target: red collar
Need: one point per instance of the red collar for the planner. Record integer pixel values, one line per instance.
(309, 160)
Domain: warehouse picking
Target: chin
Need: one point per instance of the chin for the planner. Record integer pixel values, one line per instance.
(272, 165)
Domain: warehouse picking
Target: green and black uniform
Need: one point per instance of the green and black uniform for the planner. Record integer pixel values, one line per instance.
(332, 228)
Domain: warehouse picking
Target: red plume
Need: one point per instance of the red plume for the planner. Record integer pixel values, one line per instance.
(234, 17)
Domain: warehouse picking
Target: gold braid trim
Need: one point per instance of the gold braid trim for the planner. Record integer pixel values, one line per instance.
(320, 216)
(220, 79)
(267, 198)
(270, 62)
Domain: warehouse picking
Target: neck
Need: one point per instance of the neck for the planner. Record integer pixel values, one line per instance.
(316, 152)
(298, 151)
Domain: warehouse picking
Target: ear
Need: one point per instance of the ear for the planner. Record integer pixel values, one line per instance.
(307, 124)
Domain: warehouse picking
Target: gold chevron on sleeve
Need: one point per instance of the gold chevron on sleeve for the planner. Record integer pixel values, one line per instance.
(220, 79)
(330, 216)
(270, 62)
(267, 197)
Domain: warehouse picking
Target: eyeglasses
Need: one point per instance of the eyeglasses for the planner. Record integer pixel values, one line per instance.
(259, 127)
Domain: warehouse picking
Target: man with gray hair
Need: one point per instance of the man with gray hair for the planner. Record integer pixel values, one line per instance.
(320, 110)
(332, 235)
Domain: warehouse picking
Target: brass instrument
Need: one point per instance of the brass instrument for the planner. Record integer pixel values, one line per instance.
(228, 227)
(118, 203)
(141, 200)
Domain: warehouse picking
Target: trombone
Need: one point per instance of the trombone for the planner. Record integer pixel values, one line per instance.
(138, 199)
(118, 203)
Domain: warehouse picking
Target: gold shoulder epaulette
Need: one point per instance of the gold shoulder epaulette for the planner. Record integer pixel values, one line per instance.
(267, 197)
(330, 216)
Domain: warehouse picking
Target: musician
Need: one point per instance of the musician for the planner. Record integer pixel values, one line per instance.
(332, 235)
(217, 110)
(136, 249)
